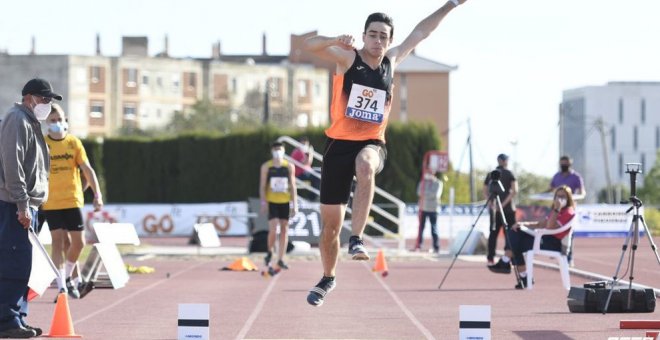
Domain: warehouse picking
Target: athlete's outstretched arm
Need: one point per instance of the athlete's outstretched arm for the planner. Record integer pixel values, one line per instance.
(338, 49)
(423, 29)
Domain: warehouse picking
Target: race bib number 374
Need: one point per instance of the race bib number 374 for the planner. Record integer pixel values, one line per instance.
(366, 104)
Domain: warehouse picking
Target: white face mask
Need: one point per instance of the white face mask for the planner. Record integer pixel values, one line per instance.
(278, 154)
(41, 111)
(562, 202)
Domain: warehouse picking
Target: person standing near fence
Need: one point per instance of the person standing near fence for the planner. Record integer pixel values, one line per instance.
(429, 191)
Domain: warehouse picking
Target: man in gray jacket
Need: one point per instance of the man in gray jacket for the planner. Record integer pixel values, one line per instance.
(24, 164)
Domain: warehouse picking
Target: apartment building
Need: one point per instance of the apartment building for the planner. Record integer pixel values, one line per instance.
(104, 94)
(604, 127)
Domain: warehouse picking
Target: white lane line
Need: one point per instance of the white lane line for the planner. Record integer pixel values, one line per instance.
(403, 307)
(257, 309)
(130, 296)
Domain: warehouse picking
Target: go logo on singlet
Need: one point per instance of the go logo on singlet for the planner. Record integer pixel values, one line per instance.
(366, 104)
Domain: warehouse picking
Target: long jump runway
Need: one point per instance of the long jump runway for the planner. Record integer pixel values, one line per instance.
(404, 305)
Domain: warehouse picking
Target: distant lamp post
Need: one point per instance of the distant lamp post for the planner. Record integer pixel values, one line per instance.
(267, 102)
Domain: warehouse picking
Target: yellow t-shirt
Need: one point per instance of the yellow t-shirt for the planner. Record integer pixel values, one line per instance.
(64, 186)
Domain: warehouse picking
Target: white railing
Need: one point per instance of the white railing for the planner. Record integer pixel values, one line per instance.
(398, 236)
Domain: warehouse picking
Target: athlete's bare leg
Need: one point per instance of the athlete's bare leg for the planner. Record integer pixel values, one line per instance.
(332, 216)
(366, 163)
(284, 238)
(272, 233)
(76, 247)
(58, 246)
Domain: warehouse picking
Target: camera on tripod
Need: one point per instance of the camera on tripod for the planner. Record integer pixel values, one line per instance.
(633, 169)
(495, 186)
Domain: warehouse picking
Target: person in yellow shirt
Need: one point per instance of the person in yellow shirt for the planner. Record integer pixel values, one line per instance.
(277, 190)
(63, 208)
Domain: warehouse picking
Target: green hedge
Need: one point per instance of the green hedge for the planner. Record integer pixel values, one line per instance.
(206, 168)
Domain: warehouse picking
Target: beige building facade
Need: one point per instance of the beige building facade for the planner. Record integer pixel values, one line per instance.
(103, 95)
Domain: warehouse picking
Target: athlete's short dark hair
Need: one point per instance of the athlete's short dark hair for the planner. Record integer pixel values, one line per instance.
(380, 17)
(276, 144)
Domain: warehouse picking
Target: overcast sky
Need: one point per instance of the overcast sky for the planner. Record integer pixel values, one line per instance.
(514, 57)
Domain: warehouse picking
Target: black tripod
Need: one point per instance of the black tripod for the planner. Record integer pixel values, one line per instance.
(633, 235)
(495, 188)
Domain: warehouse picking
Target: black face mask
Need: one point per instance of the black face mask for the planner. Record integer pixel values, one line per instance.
(564, 168)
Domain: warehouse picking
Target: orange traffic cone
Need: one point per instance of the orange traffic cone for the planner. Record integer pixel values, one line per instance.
(381, 265)
(242, 264)
(62, 326)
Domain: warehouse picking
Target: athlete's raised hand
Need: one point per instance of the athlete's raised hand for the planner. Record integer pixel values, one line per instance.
(345, 41)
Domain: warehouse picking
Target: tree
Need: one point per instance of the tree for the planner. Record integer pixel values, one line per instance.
(650, 192)
(529, 184)
(203, 116)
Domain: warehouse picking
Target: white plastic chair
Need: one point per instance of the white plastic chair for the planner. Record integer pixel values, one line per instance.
(559, 255)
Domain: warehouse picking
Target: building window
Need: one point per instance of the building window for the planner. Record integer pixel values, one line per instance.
(131, 77)
(620, 165)
(621, 111)
(317, 89)
(96, 110)
(613, 136)
(192, 80)
(643, 161)
(635, 138)
(96, 74)
(657, 137)
(643, 110)
(302, 88)
(176, 80)
(274, 87)
(129, 111)
(159, 81)
(302, 120)
(145, 80)
(234, 85)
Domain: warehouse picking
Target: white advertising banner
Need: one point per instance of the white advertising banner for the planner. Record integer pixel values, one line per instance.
(229, 218)
(604, 220)
(594, 220)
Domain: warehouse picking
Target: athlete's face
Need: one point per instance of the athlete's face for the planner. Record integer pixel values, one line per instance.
(377, 38)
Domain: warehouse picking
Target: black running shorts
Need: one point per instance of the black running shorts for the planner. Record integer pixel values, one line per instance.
(67, 219)
(278, 211)
(339, 167)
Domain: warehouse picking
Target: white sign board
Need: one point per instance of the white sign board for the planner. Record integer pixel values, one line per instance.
(474, 322)
(193, 321)
(173, 219)
(42, 273)
(603, 220)
(207, 236)
(116, 233)
(114, 265)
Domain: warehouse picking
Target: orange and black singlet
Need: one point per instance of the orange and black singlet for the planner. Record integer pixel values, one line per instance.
(361, 101)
